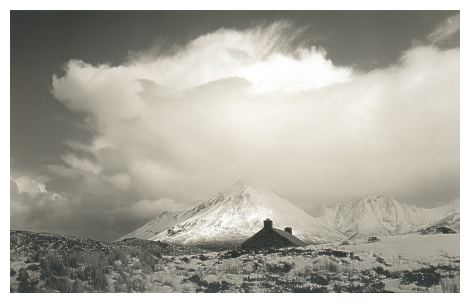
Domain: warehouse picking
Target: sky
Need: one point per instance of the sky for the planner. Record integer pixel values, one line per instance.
(117, 116)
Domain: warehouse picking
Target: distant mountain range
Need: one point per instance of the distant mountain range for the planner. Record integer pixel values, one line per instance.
(235, 214)
(380, 215)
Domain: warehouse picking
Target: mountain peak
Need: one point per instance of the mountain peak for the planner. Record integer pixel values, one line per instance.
(241, 183)
(234, 215)
(239, 187)
(375, 200)
(375, 197)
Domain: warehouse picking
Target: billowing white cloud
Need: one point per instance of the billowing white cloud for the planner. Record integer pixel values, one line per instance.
(174, 128)
(257, 55)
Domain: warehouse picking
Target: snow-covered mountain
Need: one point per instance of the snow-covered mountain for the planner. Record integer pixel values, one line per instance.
(381, 215)
(233, 216)
(451, 220)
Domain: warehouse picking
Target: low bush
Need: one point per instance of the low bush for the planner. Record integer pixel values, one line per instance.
(138, 285)
(61, 284)
(319, 279)
(450, 285)
(333, 252)
(78, 286)
(309, 289)
(235, 253)
(425, 277)
(98, 278)
(53, 265)
(72, 260)
(203, 258)
(33, 267)
(280, 268)
(217, 286)
(26, 285)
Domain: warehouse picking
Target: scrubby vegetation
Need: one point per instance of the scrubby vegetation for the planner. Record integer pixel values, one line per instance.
(56, 263)
(52, 263)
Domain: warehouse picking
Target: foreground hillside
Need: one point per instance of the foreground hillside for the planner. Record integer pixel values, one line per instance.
(53, 263)
(44, 262)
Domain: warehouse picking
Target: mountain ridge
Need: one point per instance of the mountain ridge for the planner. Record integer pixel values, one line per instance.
(235, 214)
(379, 215)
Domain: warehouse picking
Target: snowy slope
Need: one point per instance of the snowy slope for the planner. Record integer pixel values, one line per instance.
(237, 213)
(452, 217)
(412, 246)
(233, 216)
(156, 225)
(381, 215)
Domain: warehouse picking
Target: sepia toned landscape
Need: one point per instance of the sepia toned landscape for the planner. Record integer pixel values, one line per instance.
(297, 151)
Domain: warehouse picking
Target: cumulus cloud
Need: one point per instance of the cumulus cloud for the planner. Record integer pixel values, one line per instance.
(89, 205)
(31, 203)
(174, 128)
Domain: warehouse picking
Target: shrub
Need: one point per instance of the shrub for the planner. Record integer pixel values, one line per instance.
(234, 253)
(83, 273)
(382, 261)
(36, 257)
(96, 259)
(25, 284)
(375, 286)
(205, 286)
(77, 286)
(319, 279)
(450, 285)
(62, 284)
(217, 286)
(353, 257)
(195, 279)
(185, 259)
(425, 277)
(98, 278)
(33, 267)
(328, 265)
(138, 285)
(154, 250)
(333, 252)
(118, 287)
(245, 287)
(53, 265)
(72, 260)
(118, 253)
(281, 268)
(309, 289)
